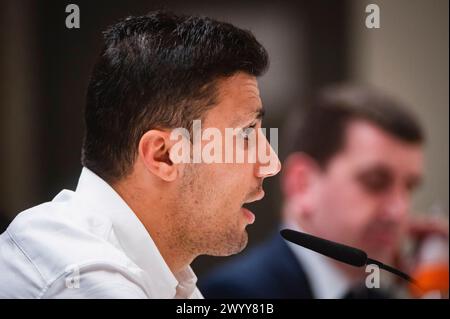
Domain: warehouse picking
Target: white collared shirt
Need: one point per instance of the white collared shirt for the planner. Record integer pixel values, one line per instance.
(86, 244)
(326, 280)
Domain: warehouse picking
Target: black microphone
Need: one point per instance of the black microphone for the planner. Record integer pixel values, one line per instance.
(343, 253)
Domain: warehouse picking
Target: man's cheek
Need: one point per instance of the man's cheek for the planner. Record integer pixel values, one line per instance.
(360, 217)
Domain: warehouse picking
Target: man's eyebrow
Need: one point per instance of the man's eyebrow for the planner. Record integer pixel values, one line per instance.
(258, 114)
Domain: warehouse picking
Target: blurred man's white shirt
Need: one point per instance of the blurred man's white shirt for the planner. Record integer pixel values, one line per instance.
(326, 280)
(86, 244)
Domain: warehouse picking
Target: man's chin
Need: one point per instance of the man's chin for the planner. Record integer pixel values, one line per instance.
(244, 242)
(381, 248)
(230, 246)
(239, 245)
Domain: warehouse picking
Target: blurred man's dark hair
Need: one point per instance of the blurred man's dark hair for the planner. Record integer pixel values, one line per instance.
(158, 71)
(319, 128)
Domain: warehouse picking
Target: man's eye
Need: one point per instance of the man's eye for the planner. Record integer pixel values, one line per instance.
(376, 182)
(247, 131)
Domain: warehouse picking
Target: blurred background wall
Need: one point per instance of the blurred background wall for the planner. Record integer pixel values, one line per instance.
(45, 70)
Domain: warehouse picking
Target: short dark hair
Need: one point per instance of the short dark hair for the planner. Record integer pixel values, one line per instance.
(158, 71)
(323, 121)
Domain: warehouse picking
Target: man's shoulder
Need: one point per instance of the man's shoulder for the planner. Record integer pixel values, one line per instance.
(50, 239)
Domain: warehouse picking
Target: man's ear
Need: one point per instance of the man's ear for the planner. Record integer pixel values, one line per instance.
(299, 180)
(154, 149)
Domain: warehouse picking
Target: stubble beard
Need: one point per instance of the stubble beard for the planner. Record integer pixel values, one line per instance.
(200, 230)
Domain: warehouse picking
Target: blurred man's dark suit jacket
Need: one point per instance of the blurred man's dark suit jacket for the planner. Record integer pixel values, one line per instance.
(270, 270)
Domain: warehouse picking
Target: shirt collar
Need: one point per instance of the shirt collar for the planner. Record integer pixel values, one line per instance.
(134, 238)
(327, 281)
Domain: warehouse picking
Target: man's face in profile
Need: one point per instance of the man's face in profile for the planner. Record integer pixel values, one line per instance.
(364, 193)
(212, 195)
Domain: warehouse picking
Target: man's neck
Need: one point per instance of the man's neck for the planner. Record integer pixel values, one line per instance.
(153, 211)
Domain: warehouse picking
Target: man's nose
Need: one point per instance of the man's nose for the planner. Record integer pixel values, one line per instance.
(268, 164)
(397, 205)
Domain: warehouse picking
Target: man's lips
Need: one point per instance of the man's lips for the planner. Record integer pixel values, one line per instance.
(249, 215)
(257, 195)
(383, 238)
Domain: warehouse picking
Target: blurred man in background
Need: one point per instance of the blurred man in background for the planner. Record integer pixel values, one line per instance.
(356, 160)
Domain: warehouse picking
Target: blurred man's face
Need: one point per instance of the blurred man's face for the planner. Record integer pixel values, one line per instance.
(363, 196)
(211, 196)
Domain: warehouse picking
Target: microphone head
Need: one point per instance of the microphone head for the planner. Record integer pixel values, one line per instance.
(340, 252)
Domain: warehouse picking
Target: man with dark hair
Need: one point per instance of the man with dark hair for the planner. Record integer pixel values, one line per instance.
(355, 159)
(139, 217)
